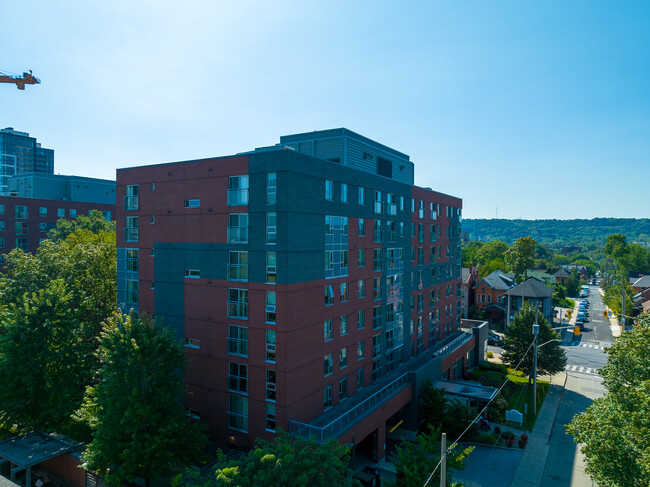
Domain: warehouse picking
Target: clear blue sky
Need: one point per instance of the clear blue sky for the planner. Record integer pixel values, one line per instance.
(540, 109)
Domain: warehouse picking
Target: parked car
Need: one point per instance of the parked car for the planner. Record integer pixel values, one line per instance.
(495, 339)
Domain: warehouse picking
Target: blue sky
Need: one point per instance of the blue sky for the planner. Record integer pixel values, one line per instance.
(537, 109)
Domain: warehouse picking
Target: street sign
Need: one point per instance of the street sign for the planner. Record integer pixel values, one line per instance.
(576, 331)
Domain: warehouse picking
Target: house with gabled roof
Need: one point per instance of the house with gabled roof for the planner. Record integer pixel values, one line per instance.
(562, 276)
(490, 294)
(536, 293)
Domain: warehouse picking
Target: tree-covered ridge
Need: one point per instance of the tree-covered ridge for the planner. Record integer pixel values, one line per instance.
(559, 232)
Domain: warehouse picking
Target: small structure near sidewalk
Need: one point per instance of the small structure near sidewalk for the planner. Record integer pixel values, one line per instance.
(467, 391)
(24, 452)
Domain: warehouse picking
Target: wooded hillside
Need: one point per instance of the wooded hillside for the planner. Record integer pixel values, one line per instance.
(558, 232)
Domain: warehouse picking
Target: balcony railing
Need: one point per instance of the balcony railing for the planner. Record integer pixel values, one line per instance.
(353, 415)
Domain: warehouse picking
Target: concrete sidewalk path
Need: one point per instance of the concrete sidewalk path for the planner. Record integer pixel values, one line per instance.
(531, 467)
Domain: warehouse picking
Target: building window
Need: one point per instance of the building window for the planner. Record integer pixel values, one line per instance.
(131, 197)
(362, 227)
(361, 352)
(2, 209)
(328, 364)
(60, 213)
(343, 388)
(376, 346)
(343, 358)
(327, 330)
(327, 397)
(420, 209)
(192, 343)
(329, 295)
(344, 291)
(362, 196)
(344, 193)
(238, 412)
(73, 213)
(361, 262)
(132, 256)
(107, 215)
(2, 226)
(271, 268)
(271, 188)
(377, 202)
(238, 303)
(270, 385)
(376, 317)
(344, 325)
(152, 186)
(21, 228)
(237, 190)
(192, 203)
(238, 228)
(270, 307)
(361, 319)
(271, 227)
(270, 346)
(391, 205)
(21, 243)
(361, 285)
(152, 285)
(21, 213)
(238, 340)
(131, 229)
(132, 291)
(2, 243)
(376, 260)
(377, 236)
(360, 378)
(238, 266)
(238, 378)
(42, 211)
(329, 190)
(376, 288)
(192, 273)
(270, 417)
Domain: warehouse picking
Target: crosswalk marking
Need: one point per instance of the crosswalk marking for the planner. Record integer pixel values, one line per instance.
(582, 369)
(591, 345)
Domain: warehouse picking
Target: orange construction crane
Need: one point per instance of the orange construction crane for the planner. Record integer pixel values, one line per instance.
(20, 81)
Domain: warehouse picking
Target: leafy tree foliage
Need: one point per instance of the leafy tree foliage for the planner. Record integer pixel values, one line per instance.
(42, 364)
(436, 410)
(58, 298)
(94, 223)
(414, 462)
(615, 429)
(551, 359)
(140, 427)
(558, 232)
(490, 251)
(469, 252)
(521, 257)
(288, 461)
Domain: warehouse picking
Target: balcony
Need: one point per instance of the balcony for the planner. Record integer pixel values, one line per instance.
(353, 414)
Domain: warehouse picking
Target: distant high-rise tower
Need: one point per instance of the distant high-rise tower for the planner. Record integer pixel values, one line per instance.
(19, 154)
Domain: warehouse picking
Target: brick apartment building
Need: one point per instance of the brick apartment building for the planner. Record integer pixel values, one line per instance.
(315, 286)
(37, 201)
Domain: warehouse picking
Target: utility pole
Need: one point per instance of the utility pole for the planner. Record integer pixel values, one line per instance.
(443, 458)
(535, 334)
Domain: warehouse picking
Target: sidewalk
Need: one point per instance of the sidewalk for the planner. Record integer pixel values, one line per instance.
(531, 467)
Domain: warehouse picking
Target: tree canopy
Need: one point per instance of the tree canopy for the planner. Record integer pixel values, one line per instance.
(520, 257)
(52, 305)
(551, 358)
(140, 426)
(615, 430)
(289, 461)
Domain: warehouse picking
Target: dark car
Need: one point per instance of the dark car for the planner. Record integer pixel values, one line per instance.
(495, 339)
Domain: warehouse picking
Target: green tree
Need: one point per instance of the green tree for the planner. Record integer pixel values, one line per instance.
(94, 223)
(140, 426)
(62, 293)
(414, 462)
(469, 252)
(490, 266)
(431, 407)
(551, 359)
(290, 461)
(521, 257)
(490, 251)
(573, 283)
(615, 430)
(42, 361)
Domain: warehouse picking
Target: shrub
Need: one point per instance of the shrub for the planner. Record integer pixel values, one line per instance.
(490, 355)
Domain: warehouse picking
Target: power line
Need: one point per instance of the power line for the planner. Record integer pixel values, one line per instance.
(478, 416)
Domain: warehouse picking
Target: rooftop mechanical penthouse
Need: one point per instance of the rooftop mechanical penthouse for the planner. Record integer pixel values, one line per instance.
(315, 287)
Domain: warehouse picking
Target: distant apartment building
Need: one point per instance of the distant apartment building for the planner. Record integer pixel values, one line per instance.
(37, 201)
(19, 154)
(314, 285)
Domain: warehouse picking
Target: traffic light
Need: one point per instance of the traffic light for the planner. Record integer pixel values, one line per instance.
(605, 314)
(568, 313)
(576, 331)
